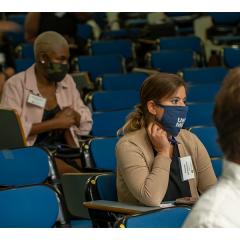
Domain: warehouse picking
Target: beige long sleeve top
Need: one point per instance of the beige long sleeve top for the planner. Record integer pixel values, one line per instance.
(142, 178)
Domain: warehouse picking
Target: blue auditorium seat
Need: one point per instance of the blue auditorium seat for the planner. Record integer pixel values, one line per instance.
(172, 60)
(102, 187)
(99, 65)
(84, 31)
(130, 81)
(17, 18)
(208, 136)
(102, 152)
(28, 207)
(130, 33)
(106, 124)
(173, 217)
(122, 47)
(114, 100)
(181, 42)
(202, 92)
(23, 166)
(23, 64)
(217, 164)
(27, 51)
(231, 57)
(204, 75)
(199, 114)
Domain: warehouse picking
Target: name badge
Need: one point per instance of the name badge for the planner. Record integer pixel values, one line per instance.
(36, 100)
(186, 167)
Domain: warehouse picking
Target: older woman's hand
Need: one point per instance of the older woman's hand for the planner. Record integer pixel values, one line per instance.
(67, 118)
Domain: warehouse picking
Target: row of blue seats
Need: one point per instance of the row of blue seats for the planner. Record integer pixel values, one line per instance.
(30, 195)
(102, 150)
(28, 202)
(123, 99)
(97, 66)
(108, 123)
(31, 167)
(126, 48)
(125, 51)
(134, 80)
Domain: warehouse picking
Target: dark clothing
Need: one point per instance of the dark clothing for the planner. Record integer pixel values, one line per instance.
(65, 25)
(53, 137)
(176, 187)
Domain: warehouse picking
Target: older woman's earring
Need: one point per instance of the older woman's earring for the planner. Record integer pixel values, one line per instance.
(42, 61)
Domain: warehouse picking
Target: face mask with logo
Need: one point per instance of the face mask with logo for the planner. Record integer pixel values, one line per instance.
(56, 71)
(173, 118)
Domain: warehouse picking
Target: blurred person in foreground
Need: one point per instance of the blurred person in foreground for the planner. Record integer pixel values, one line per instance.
(219, 207)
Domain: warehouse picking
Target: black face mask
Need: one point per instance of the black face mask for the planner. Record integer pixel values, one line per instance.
(56, 71)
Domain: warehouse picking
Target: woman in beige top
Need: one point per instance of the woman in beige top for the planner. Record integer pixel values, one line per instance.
(151, 167)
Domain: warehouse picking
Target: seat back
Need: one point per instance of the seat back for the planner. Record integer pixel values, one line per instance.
(17, 18)
(102, 151)
(199, 114)
(28, 207)
(208, 136)
(26, 166)
(184, 21)
(183, 42)
(84, 31)
(16, 37)
(106, 185)
(74, 186)
(12, 134)
(27, 51)
(23, 64)
(231, 57)
(106, 124)
(172, 60)
(204, 75)
(102, 187)
(99, 65)
(122, 47)
(83, 83)
(23, 166)
(202, 92)
(225, 18)
(217, 164)
(114, 100)
(130, 33)
(130, 81)
(164, 218)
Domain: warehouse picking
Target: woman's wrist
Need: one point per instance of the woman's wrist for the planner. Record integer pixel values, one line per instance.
(163, 153)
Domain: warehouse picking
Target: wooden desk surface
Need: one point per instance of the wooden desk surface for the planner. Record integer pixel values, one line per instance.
(119, 207)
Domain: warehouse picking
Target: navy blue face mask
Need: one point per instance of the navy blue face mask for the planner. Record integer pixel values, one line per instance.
(173, 118)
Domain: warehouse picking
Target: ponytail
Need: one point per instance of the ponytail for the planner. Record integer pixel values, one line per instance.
(134, 122)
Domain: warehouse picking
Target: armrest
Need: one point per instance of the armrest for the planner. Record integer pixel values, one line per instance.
(118, 207)
(148, 71)
(74, 185)
(147, 41)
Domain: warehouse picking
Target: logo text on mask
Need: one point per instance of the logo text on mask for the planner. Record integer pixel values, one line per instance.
(180, 122)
